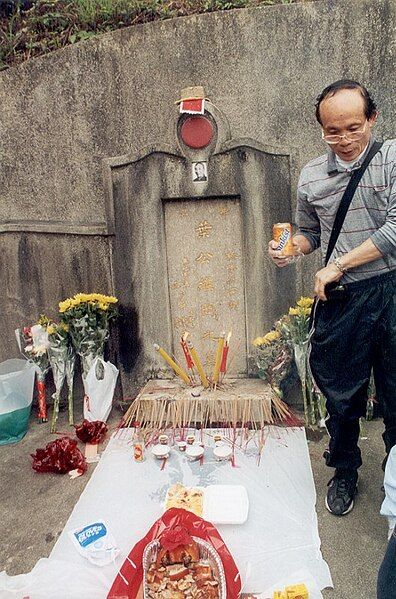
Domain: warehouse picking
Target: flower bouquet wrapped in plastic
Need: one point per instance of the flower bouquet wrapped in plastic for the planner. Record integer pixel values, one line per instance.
(88, 317)
(33, 344)
(62, 359)
(295, 328)
(273, 359)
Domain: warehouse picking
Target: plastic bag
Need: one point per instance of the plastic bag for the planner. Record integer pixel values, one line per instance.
(16, 395)
(96, 543)
(130, 576)
(99, 386)
(60, 456)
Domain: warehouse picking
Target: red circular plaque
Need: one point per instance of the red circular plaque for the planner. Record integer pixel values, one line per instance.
(197, 131)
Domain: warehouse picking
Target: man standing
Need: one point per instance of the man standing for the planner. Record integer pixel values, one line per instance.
(355, 326)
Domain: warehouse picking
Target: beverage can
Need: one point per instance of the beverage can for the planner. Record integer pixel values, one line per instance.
(282, 234)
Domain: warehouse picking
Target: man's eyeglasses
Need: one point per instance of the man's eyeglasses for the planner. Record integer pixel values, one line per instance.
(351, 136)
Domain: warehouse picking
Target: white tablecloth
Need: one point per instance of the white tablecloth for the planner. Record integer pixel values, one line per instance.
(278, 545)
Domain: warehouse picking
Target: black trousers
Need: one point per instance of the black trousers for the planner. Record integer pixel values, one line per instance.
(353, 334)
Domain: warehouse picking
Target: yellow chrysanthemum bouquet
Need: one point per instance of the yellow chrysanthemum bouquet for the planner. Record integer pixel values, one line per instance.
(291, 331)
(88, 316)
(273, 359)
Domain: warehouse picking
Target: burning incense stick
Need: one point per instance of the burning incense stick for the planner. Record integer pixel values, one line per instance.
(187, 355)
(219, 354)
(223, 366)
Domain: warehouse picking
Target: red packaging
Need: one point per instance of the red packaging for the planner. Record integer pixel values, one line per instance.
(60, 456)
(91, 432)
(129, 579)
(42, 414)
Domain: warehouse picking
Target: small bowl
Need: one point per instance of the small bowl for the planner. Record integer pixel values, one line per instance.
(194, 452)
(160, 451)
(222, 452)
(163, 439)
(182, 445)
(190, 439)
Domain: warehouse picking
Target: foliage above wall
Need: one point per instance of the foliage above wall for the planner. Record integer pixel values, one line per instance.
(31, 28)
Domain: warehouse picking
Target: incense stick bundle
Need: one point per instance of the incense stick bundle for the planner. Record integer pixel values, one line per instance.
(177, 369)
(198, 364)
(233, 409)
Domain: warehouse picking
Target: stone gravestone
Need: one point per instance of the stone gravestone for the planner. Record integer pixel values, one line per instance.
(190, 254)
(206, 277)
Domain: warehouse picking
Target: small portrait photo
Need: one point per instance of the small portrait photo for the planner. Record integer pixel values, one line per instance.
(199, 171)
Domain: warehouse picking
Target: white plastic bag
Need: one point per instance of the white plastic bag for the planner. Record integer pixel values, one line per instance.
(99, 386)
(16, 395)
(95, 542)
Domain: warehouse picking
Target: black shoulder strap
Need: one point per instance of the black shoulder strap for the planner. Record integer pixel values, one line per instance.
(347, 198)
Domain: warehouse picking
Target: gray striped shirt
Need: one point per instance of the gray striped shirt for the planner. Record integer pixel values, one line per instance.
(372, 213)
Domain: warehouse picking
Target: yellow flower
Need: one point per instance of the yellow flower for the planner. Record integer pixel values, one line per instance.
(51, 329)
(93, 299)
(294, 311)
(65, 305)
(64, 326)
(271, 336)
(267, 339)
(305, 302)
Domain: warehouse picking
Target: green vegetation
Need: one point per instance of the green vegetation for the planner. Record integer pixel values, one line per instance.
(29, 29)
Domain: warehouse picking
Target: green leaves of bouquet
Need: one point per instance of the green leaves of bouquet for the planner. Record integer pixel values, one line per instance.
(88, 312)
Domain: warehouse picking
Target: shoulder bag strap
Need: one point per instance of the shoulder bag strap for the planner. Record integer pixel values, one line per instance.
(347, 198)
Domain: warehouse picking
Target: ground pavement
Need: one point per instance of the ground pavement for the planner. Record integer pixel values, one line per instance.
(35, 508)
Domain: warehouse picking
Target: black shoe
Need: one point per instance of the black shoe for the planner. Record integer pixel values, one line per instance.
(341, 492)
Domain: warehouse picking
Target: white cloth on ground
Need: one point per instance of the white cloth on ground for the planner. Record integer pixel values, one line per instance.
(279, 538)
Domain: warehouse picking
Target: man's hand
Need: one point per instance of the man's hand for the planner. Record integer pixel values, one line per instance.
(329, 274)
(276, 255)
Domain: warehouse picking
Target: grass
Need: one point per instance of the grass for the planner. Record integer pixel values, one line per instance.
(32, 28)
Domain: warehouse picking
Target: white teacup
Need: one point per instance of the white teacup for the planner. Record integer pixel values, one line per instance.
(194, 452)
(222, 452)
(160, 451)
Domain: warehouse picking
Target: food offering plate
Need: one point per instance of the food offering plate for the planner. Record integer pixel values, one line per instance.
(206, 553)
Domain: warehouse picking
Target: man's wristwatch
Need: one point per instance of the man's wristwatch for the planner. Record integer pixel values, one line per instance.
(338, 264)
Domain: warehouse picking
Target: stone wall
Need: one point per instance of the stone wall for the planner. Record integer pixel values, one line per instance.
(65, 115)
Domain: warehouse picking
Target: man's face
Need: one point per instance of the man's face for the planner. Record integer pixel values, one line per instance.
(341, 114)
(199, 169)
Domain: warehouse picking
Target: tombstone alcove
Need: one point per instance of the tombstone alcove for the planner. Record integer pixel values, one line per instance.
(192, 255)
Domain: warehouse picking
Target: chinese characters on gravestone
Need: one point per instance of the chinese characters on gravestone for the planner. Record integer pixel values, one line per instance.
(206, 282)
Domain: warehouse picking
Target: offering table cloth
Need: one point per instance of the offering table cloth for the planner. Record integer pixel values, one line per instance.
(279, 538)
